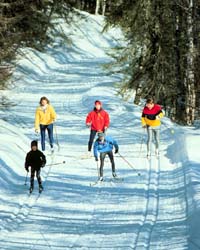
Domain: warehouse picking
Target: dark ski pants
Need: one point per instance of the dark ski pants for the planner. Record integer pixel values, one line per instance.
(92, 136)
(50, 134)
(37, 172)
(102, 158)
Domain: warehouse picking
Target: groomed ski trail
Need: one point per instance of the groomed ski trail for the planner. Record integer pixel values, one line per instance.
(146, 212)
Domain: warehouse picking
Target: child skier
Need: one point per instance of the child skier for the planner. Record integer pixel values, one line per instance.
(104, 145)
(35, 159)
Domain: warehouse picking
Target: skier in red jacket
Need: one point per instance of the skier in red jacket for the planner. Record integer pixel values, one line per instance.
(98, 120)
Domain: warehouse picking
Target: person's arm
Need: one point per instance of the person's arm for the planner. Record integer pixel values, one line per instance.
(116, 146)
(107, 120)
(53, 113)
(88, 120)
(43, 159)
(143, 120)
(27, 162)
(160, 114)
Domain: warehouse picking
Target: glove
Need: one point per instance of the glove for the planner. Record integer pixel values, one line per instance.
(144, 126)
(43, 165)
(116, 150)
(96, 158)
(27, 169)
(36, 131)
(157, 117)
(88, 125)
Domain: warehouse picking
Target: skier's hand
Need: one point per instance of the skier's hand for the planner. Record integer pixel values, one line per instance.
(88, 125)
(116, 150)
(105, 130)
(96, 159)
(43, 165)
(157, 117)
(36, 131)
(27, 169)
(144, 126)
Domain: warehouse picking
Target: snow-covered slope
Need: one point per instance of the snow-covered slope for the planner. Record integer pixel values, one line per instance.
(157, 210)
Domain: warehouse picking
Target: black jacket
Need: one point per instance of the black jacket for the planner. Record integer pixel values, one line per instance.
(35, 159)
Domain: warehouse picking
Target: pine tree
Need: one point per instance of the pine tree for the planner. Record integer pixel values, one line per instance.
(161, 58)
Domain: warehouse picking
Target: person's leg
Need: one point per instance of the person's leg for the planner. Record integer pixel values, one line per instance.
(42, 132)
(110, 155)
(149, 140)
(38, 177)
(156, 132)
(92, 136)
(102, 158)
(32, 178)
(50, 134)
(39, 180)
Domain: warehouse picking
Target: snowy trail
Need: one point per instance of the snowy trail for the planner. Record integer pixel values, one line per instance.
(146, 212)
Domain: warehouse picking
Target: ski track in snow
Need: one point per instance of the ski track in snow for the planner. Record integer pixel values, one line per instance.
(24, 208)
(146, 212)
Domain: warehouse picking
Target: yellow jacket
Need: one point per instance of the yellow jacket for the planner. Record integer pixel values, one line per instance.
(44, 117)
(151, 117)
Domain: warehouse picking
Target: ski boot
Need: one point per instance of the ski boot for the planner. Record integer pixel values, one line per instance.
(31, 189)
(114, 175)
(148, 155)
(101, 178)
(157, 153)
(40, 188)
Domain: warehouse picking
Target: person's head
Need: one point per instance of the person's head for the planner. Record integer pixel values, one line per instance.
(34, 145)
(98, 105)
(149, 103)
(44, 101)
(101, 136)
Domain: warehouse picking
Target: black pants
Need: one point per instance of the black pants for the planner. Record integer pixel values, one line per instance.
(102, 158)
(92, 136)
(37, 172)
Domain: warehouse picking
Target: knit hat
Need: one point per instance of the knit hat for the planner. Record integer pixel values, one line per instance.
(34, 143)
(98, 102)
(101, 134)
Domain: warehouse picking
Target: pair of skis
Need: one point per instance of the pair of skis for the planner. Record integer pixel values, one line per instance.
(40, 190)
(114, 179)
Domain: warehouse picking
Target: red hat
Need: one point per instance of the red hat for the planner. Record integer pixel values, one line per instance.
(98, 102)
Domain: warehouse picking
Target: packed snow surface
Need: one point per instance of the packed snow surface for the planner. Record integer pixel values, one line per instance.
(158, 210)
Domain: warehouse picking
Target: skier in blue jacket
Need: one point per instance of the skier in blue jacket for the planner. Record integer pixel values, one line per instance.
(104, 146)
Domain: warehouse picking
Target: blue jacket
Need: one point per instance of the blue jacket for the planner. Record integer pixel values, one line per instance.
(106, 146)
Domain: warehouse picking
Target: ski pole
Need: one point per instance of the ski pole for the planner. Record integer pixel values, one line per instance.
(57, 163)
(56, 136)
(142, 140)
(129, 163)
(25, 183)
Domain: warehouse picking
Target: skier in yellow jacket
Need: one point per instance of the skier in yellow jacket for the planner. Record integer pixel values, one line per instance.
(45, 116)
(151, 115)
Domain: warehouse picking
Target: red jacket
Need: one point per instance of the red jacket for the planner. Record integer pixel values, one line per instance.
(98, 119)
